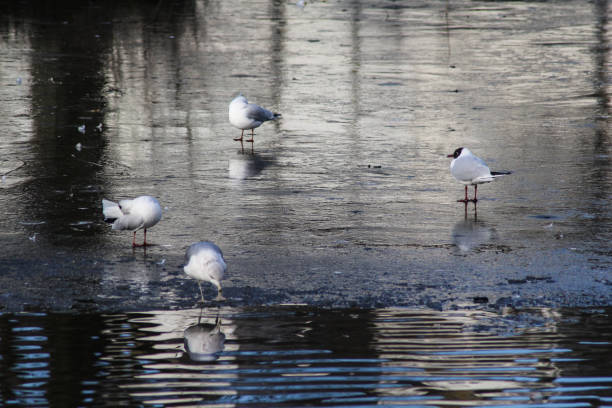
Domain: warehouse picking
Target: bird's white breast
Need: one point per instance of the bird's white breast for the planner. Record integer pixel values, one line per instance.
(238, 116)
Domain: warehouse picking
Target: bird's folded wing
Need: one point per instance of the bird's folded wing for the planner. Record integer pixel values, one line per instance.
(258, 113)
(128, 222)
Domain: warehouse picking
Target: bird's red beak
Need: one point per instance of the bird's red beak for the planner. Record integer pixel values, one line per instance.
(450, 155)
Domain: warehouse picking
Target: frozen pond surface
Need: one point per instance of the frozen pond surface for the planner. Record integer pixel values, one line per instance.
(346, 201)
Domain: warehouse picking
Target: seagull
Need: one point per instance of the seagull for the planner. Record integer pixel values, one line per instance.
(204, 262)
(244, 115)
(140, 213)
(471, 169)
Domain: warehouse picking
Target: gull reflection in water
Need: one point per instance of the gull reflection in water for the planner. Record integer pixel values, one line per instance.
(246, 165)
(204, 341)
(471, 233)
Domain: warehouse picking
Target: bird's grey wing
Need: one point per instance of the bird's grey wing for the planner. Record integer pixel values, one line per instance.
(197, 247)
(258, 113)
(216, 248)
(481, 164)
(193, 248)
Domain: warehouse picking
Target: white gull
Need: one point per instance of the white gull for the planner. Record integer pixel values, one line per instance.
(140, 213)
(470, 169)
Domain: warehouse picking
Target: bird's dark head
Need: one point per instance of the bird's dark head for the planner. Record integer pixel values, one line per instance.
(456, 153)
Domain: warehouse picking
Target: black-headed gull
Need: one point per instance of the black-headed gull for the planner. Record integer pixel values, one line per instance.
(471, 170)
(140, 213)
(204, 262)
(244, 115)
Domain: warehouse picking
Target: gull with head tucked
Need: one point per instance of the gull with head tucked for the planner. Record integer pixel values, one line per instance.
(244, 115)
(204, 262)
(140, 213)
(470, 169)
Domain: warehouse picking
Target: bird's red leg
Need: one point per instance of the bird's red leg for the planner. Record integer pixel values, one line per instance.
(475, 191)
(241, 135)
(144, 243)
(465, 200)
(252, 134)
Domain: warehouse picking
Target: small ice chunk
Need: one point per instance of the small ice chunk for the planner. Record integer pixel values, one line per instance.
(33, 237)
(99, 127)
(163, 261)
(80, 223)
(18, 81)
(81, 129)
(32, 222)
(78, 146)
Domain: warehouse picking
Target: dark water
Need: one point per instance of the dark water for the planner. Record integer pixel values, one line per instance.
(294, 356)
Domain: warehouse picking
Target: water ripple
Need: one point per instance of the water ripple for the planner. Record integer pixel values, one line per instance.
(289, 356)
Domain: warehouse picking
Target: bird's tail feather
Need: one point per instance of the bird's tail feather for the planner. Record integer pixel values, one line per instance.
(111, 210)
(500, 173)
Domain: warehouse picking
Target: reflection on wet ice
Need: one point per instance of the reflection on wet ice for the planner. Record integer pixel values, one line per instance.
(470, 233)
(246, 165)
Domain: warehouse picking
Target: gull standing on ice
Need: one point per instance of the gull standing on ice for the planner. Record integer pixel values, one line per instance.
(471, 169)
(204, 262)
(244, 115)
(140, 213)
